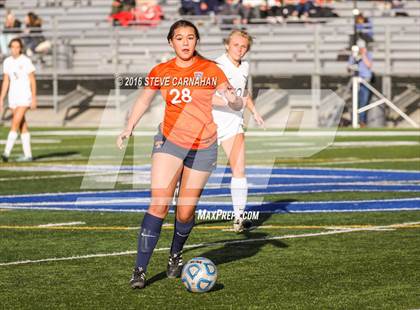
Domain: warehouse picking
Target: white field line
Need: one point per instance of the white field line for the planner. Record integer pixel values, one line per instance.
(332, 168)
(351, 144)
(81, 202)
(147, 174)
(283, 152)
(302, 133)
(62, 224)
(146, 168)
(59, 176)
(172, 211)
(364, 161)
(35, 141)
(266, 133)
(268, 161)
(211, 244)
(77, 168)
(78, 147)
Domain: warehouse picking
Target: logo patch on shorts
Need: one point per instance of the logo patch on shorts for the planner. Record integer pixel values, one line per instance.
(158, 144)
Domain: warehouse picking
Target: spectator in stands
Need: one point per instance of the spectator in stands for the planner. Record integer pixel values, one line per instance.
(122, 6)
(230, 11)
(11, 30)
(209, 7)
(397, 7)
(148, 12)
(275, 11)
(364, 28)
(360, 63)
(391, 7)
(190, 7)
(302, 9)
(251, 9)
(121, 12)
(33, 33)
(312, 8)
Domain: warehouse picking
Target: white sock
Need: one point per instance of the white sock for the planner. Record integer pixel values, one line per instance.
(11, 139)
(26, 144)
(239, 191)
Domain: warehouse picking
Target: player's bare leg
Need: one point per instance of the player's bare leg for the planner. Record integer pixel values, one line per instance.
(191, 186)
(234, 148)
(166, 170)
(18, 116)
(26, 140)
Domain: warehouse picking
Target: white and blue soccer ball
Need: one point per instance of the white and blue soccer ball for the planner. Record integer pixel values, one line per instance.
(199, 275)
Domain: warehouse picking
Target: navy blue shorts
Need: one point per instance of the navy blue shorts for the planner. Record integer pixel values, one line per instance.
(202, 159)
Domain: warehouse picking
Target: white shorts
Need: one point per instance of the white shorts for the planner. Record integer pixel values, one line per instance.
(15, 105)
(228, 125)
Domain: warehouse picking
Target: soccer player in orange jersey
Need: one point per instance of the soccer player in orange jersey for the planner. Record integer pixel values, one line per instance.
(185, 148)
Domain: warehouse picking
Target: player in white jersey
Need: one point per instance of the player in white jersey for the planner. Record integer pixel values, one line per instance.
(230, 133)
(19, 82)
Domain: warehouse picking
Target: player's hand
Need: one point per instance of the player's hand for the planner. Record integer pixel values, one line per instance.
(124, 135)
(34, 104)
(230, 94)
(234, 102)
(259, 120)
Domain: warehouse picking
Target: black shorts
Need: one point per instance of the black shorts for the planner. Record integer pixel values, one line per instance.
(202, 159)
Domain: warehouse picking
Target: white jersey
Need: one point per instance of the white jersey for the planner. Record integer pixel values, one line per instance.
(228, 121)
(18, 70)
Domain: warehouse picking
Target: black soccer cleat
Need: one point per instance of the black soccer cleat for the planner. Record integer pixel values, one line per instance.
(4, 158)
(240, 224)
(138, 279)
(175, 265)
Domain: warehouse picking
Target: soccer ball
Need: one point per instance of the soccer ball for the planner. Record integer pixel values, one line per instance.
(199, 275)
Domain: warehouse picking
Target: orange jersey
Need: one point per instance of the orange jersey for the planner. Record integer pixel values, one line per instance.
(188, 92)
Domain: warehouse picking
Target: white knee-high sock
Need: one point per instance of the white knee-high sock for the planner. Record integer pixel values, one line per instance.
(26, 144)
(11, 139)
(239, 191)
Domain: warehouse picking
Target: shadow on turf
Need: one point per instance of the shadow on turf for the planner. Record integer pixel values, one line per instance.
(162, 275)
(236, 251)
(56, 154)
(232, 252)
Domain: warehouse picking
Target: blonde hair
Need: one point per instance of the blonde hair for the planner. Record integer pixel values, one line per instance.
(241, 33)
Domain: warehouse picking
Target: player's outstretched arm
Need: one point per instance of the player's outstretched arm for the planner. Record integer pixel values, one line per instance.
(140, 107)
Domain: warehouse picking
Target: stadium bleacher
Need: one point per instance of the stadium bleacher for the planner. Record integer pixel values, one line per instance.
(88, 45)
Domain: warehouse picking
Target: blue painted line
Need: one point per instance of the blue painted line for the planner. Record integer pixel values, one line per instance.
(304, 181)
(275, 207)
(209, 192)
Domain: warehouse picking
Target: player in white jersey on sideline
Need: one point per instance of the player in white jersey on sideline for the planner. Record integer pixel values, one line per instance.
(230, 133)
(19, 82)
